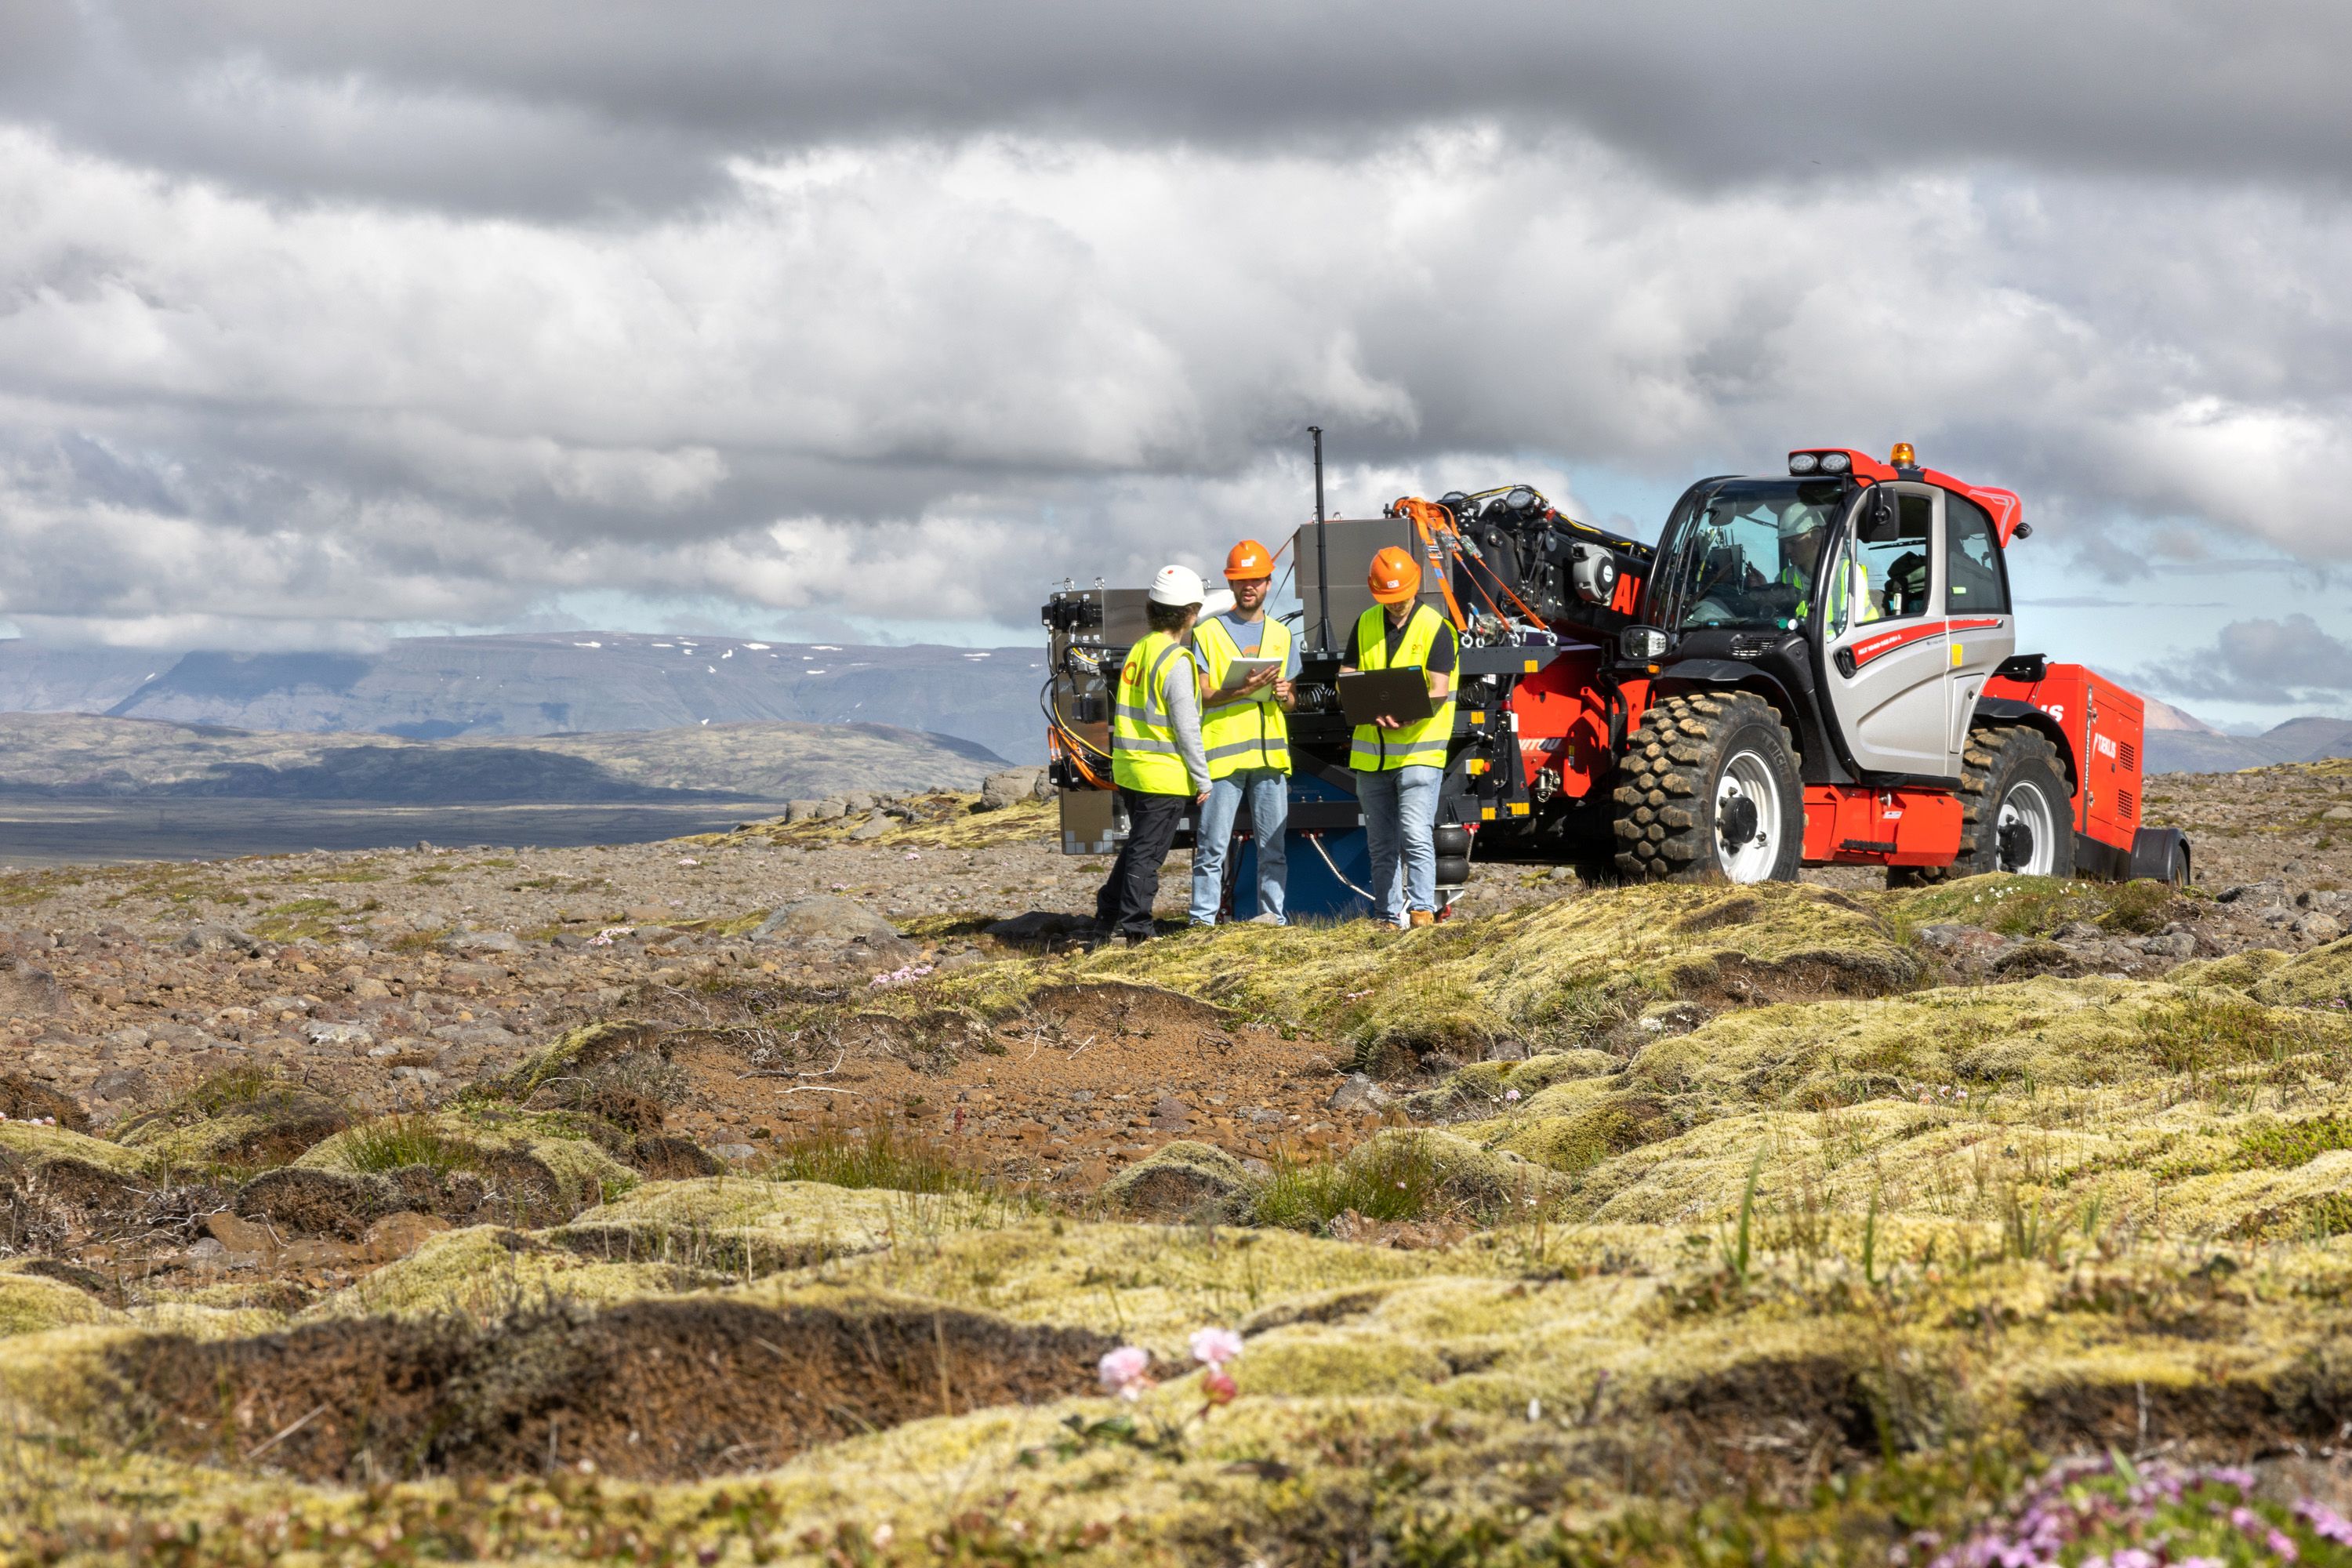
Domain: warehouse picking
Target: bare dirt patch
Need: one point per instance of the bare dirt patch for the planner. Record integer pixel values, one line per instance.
(649, 1390)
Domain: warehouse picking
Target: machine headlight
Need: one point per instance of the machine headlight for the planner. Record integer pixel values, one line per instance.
(1836, 462)
(1642, 645)
(1803, 462)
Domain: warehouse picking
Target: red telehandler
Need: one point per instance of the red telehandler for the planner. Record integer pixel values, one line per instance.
(1812, 667)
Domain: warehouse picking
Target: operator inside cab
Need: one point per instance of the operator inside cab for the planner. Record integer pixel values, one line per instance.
(1804, 529)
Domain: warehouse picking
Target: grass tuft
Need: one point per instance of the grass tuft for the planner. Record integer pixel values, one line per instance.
(399, 1141)
(881, 1155)
(1391, 1179)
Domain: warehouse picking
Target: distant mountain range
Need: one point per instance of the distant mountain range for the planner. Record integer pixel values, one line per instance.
(2178, 743)
(78, 757)
(546, 684)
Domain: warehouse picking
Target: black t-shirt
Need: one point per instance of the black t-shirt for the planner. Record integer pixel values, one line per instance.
(1441, 647)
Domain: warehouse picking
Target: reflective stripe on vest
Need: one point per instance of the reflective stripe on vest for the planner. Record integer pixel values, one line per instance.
(1252, 732)
(1144, 755)
(1420, 745)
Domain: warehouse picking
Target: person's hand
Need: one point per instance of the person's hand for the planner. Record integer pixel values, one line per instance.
(1263, 678)
(1385, 723)
(1285, 692)
(1201, 798)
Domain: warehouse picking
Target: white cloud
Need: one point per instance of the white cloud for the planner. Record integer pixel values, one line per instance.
(923, 379)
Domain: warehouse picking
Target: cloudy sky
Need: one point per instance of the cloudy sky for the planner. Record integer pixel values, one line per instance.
(320, 324)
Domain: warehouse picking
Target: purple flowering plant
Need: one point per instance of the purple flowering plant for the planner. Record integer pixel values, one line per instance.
(2109, 1513)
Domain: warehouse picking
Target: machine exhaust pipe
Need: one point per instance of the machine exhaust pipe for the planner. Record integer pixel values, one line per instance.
(1322, 554)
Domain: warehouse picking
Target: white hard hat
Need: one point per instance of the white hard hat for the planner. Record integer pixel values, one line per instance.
(1177, 585)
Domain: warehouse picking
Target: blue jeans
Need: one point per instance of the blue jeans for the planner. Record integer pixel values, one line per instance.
(1401, 815)
(1269, 804)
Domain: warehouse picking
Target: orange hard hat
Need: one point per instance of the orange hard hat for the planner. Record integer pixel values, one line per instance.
(1247, 562)
(1395, 576)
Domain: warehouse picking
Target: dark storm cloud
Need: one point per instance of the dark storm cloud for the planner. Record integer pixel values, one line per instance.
(317, 317)
(2289, 660)
(547, 105)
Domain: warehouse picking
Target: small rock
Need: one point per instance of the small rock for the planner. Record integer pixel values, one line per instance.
(216, 939)
(2079, 931)
(2172, 944)
(398, 1235)
(873, 826)
(828, 916)
(734, 1150)
(2337, 814)
(2319, 927)
(482, 942)
(1962, 940)
(323, 1034)
(239, 1235)
(1010, 787)
(371, 990)
(857, 803)
(208, 1250)
(1359, 1093)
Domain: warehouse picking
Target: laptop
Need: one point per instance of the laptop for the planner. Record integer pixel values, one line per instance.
(1399, 694)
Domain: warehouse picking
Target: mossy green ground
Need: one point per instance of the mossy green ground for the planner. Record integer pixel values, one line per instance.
(1835, 1262)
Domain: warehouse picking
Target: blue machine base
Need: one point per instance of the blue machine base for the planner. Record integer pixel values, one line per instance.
(1313, 892)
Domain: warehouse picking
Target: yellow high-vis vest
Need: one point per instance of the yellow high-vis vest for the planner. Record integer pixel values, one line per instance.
(1143, 751)
(1414, 746)
(1252, 732)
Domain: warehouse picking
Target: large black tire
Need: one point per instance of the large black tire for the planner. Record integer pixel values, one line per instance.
(1676, 818)
(2005, 765)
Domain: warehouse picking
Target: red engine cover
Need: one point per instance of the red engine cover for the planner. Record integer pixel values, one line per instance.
(2105, 726)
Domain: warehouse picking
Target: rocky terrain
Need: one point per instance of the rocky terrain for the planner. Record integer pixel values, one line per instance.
(546, 683)
(784, 1194)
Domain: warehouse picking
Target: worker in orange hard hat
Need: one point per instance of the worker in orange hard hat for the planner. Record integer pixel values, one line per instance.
(1400, 763)
(1248, 662)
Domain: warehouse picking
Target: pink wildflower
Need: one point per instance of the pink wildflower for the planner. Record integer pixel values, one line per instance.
(1511, 1094)
(1126, 1372)
(1220, 1386)
(1214, 1347)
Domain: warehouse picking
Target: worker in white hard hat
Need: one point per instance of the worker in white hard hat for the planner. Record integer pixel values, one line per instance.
(1157, 758)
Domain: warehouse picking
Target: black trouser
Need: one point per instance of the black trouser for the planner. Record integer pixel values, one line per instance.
(1123, 908)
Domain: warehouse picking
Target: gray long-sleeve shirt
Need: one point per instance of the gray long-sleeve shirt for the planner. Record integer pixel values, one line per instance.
(1184, 714)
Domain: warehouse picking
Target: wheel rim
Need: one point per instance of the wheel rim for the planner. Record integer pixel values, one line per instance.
(1746, 818)
(2026, 832)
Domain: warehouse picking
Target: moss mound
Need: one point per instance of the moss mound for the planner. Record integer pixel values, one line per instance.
(488, 1272)
(540, 1165)
(1563, 972)
(243, 1116)
(32, 1304)
(737, 1225)
(1183, 1180)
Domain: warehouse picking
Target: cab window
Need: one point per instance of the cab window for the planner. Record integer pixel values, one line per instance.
(1974, 580)
(1891, 546)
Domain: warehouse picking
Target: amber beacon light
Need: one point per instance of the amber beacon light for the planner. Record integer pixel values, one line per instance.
(1901, 457)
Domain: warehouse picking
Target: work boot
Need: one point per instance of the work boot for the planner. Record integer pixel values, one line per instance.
(1268, 919)
(1423, 917)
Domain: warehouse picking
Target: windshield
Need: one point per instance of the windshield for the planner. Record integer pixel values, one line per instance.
(1742, 553)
